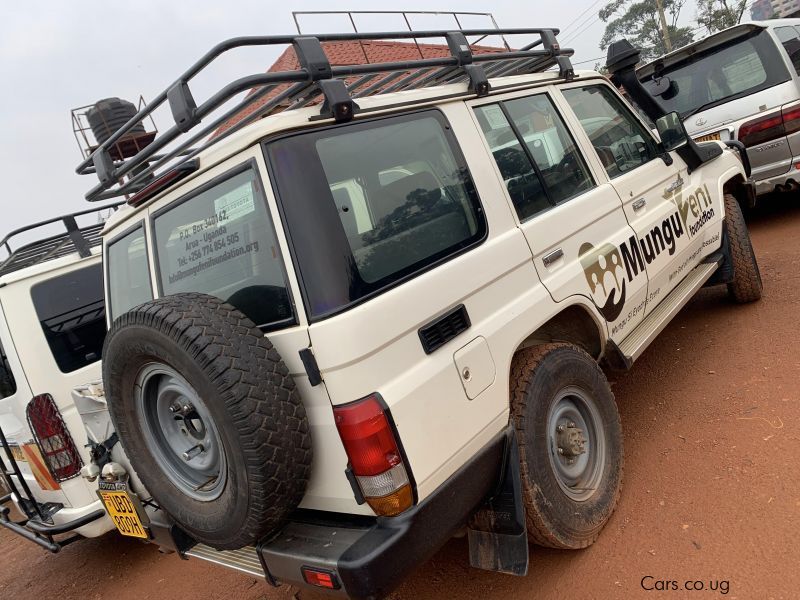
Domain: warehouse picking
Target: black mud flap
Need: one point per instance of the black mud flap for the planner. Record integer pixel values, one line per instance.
(498, 538)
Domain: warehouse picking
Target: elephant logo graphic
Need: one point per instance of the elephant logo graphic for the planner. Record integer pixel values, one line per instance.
(606, 278)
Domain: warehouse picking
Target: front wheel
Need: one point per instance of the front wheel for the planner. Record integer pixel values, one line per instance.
(570, 440)
(746, 285)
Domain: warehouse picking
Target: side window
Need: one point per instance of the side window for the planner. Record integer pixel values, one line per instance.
(128, 273)
(535, 153)
(8, 386)
(791, 43)
(523, 183)
(372, 203)
(621, 141)
(71, 310)
(221, 241)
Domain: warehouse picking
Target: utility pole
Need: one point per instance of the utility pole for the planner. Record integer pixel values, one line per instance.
(664, 29)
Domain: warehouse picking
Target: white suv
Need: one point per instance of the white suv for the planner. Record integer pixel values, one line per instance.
(340, 333)
(52, 327)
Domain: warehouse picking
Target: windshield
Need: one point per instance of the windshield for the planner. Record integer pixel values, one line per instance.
(724, 73)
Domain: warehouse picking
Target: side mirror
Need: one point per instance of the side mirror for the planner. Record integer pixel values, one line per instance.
(672, 132)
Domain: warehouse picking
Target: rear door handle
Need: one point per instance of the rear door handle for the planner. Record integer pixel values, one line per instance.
(639, 204)
(552, 257)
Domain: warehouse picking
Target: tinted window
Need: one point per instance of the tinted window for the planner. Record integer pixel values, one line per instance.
(373, 202)
(724, 73)
(791, 43)
(550, 145)
(72, 313)
(620, 139)
(522, 181)
(8, 386)
(128, 273)
(222, 242)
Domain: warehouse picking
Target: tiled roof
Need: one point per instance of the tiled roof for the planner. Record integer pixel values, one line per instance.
(350, 53)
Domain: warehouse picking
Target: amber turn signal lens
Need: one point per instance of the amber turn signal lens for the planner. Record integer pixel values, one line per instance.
(394, 503)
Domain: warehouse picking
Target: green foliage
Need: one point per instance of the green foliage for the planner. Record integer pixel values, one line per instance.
(716, 15)
(638, 21)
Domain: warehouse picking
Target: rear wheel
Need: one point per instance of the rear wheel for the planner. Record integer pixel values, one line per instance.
(746, 285)
(570, 444)
(209, 417)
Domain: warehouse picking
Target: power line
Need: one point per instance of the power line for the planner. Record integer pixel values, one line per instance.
(580, 16)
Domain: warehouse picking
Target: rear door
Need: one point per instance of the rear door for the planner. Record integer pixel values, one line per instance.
(571, 216)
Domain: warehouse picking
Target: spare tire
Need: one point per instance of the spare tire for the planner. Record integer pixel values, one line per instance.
(209, 416)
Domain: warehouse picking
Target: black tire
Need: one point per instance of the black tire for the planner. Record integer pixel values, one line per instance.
(250, 399)
(746, 285)
(539, 377)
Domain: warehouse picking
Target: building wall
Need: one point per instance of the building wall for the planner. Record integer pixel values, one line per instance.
(766, 9)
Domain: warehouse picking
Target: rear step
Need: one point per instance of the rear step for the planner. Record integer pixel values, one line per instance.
(245, 559)
(640, 338)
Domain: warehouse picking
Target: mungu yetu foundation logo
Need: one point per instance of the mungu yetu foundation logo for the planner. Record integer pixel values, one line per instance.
(609, 268)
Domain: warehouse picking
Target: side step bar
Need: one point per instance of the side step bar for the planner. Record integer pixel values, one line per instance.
(640, 338)
(245, 559)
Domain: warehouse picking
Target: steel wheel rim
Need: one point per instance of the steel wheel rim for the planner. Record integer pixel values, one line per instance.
(177, 424)
(578, 474)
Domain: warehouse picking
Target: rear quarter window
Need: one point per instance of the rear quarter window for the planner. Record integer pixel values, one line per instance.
(71, 311)
(370, 204)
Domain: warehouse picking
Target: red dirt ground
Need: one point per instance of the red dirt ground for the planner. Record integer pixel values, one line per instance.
(711, 415)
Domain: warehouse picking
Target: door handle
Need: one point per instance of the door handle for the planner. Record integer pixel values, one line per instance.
(639, 204)
(552, 257)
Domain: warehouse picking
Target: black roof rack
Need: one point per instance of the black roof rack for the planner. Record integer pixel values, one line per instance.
(316, 80)
(73, 239)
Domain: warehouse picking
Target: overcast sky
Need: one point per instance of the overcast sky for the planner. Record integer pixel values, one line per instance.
(56, 55)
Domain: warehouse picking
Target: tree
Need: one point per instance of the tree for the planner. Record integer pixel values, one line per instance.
(638, 21)
(716, 15)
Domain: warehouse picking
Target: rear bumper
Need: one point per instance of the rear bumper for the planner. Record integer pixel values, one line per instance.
(771, 184)
(41, 532)
(369, 557)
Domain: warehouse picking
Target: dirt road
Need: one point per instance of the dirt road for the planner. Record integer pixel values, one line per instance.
(711, 415)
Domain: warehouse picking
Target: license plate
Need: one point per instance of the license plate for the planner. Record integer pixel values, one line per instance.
(125, 511)
(16, 452)
(711, 137)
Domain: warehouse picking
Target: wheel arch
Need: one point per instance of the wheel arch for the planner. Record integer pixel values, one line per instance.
(575, 324)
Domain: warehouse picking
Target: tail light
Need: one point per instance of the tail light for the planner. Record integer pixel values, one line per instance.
(55, 443)
(770, 127)
(375, 456)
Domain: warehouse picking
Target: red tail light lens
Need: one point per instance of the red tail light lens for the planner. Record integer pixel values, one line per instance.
(762, 129)
(320, 578)
(55, 443)
(791, 119)
(375, 457)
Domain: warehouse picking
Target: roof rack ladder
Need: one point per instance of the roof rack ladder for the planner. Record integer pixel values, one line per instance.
(338, 103)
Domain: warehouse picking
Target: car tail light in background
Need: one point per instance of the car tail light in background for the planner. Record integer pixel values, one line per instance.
(376, 459)
(55, 443)
(771, 126)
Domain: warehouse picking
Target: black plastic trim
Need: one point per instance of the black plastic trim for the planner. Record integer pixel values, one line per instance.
(392, 547)
(311, 367)
(430, 346)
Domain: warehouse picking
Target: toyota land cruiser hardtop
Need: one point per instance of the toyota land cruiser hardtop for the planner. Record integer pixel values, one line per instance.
(343, 332)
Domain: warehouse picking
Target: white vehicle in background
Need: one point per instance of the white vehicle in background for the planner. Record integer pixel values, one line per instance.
(741, 84)
(52, 327)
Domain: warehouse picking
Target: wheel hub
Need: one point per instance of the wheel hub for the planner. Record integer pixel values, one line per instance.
(181, 432)
(571, 441)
